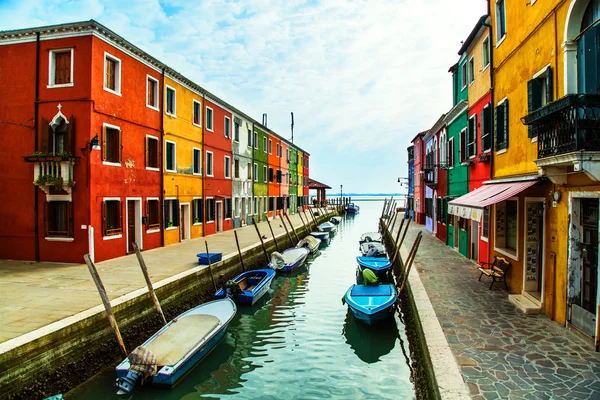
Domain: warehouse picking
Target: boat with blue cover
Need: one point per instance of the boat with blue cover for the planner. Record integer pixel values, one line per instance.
(352, 208)
(370, 237)
(289, 260)
(379, 265)
(335, 220)
(327, 227)
(248, 287)
(169, 354)
(373, 249)
(371, 304)
(320, 235)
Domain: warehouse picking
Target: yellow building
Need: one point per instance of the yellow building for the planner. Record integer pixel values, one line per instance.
(182, 168)
(301, 194)
(547, 145)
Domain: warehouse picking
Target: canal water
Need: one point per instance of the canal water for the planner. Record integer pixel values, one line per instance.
(298, 342)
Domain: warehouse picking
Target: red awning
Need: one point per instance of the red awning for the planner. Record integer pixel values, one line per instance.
(471, 204)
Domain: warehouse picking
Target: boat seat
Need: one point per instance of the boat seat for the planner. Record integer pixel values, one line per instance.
(181, 337)
(250, 288)
(243, 284)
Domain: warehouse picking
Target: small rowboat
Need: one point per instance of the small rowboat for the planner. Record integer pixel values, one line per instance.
(379, 265)
(311, 243)
(249, 286)
(371, 304)
(320, 235)
(289, 260)
(177, 347)
(327, 227)
(352, 208)
(370, 237)
(335, 220)
(372, 249)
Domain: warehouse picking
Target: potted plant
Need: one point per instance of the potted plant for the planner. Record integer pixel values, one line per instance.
(196, 221)
(170, 225)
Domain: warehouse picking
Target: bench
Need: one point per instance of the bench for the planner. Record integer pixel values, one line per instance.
(496, 270)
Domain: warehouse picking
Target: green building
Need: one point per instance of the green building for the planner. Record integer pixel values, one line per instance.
(260, 173)
(293, 180)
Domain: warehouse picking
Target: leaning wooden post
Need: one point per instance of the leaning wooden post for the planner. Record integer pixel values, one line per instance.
(271, 229)
(106, 302)
(314, 219)
(287, 232)
(383, 209)
(410, 262)
(237, 243)
(303, 224)
(210, 266)
(261, 240)
(405, 230)
(396, 244)
(292, 228)
(391, 230)
(148, 282)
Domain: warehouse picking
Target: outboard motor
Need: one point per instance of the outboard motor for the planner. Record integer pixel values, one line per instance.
(372, 251)
(142, 364)
(127, 383)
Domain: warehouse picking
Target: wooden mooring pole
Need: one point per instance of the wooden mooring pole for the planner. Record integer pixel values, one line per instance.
(142, 263)
(237, 243)
(303, 224)
(292, 228)
(261, 239)
(409, 261)
(405, 230)
(272, 234)
(314, 219)
(210, 266)
(287, 232)
(396, 244)
(107, 307)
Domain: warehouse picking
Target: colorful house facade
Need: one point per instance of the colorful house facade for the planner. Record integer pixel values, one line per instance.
(419, 183)
(305, 167)
(284, 167)
(410, 197)
(293, 176)
(300, 188)
(242, 184)
(261, 174)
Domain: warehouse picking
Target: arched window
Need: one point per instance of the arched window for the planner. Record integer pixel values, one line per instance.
(588, 55)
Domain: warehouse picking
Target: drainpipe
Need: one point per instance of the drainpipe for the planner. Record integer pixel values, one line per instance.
(162, 173)
(36, 207)
(492, 132)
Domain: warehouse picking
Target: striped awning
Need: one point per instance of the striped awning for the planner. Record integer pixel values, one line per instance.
(471, 205)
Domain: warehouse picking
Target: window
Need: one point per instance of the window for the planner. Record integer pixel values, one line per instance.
(236, 131)
(151, 92)
(485, 223)
(228, 209)
(464, 74)
(210, 210)
(197, 211)
(438, 209)
(171, 101)
(112, 74)
(486, 128)
(111, 144)
(502, 125)
(507, 222)
(227, 128)
(209, 163)
(443, 148)
(152, 159)
(278, 177)
(170, 161)
(471, 70)
(539, 93)
(58, 219)
(271, 175)
(197, 161)
(171, 213)
(265, 204)
(429, 207)
(111, 217)
(249, 138)
(264, 173)
(227, 161)
(196, 113)
(265, 144)
(462, 150)
(287, 178)
(287, 155)
(61, 68)
(472, 137)
(255, 142)
(249, 168)
(500, 21)
(255, 172)
(270, 146)
(209, 119)
(255, 204)
(450, 153)
(485, 52)
(236, 169)
(152, 214)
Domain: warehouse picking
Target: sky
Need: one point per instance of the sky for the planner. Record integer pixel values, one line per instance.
(361, 77)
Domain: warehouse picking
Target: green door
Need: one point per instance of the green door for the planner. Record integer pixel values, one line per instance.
(463, 242)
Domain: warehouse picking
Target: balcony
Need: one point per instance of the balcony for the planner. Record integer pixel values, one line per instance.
(53, 174)
(568, 135)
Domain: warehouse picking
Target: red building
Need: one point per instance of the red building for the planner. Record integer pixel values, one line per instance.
(440, 181)
(284, 166)
(78, 111)
(306, 175)
(275, 175)
(218, 155)
(419, 188)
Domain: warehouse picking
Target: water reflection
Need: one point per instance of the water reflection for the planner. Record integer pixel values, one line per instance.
(370, 343)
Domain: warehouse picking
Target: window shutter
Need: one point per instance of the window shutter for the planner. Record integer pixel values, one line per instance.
(147, 211)
(46, 218)
(166, 204)
(461, 145)
(120, 146)
(70, 144)
(549, 85)
(147, 153)
(475, 134)
(176, 213)
(530, 107)
(120, 218)
(70, 218)
(506, 123)
(46, 136)
(103, 143)
(496, 121)
(104, 218)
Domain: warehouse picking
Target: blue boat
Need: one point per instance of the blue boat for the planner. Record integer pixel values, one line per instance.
(327, 227)
(379, 265)
(371, 304)
(289, 260)
(204, 257)
(352, 208)
(320, 235)
(335, 220)
(177, 347)
(250, 286)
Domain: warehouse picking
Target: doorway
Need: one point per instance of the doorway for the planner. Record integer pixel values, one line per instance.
(185, 221)
(244, 210)
(219, 213)
(456, 232)
(474, 240)
(533, 270)
(134, 223)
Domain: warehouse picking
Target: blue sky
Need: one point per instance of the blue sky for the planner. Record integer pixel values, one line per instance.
(362, 77)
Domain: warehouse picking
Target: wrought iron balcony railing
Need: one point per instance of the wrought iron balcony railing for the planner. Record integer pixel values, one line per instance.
(569, 124)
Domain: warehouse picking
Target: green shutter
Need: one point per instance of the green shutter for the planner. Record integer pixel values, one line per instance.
(506, 123)
(530, 105)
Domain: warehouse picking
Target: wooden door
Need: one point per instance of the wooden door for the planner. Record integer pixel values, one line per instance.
(130, 224)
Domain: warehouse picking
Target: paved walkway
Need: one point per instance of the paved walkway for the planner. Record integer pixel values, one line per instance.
(33, 295)
(502, 353)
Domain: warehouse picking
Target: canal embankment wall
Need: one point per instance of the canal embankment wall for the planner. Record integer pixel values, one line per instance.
(64, 354)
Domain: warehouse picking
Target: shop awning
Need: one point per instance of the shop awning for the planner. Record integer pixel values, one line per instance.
(471, 204)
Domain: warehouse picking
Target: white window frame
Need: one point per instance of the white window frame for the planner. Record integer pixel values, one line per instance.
(214, 209)
(174, 155)
(52, 68)
(270, 147)
(157, 91)
(157, 143)
(225, 126)
(111, 163)
(192, 211)
(265, 174)
(251, 138)
(174, 113)
(194, 149)
(448, 152)
(255, 172)
(255, 140)
(211, 120)
(470, 63)
(120, 235)
(212, 163)
(167, 227)
(488, 105)
(226, 162)
(464, 69)
(233, 135)
(117, 74)
(155, 230)
(486, 49)
(474, 116)
(287, 155)
(265, 144)
(500, 40)
(504, 251)
(194, 102)
(485, 238)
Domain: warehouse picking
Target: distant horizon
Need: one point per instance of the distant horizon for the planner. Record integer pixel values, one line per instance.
(366, 194)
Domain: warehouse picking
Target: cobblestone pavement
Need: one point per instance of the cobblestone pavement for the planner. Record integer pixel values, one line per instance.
(502, 353)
